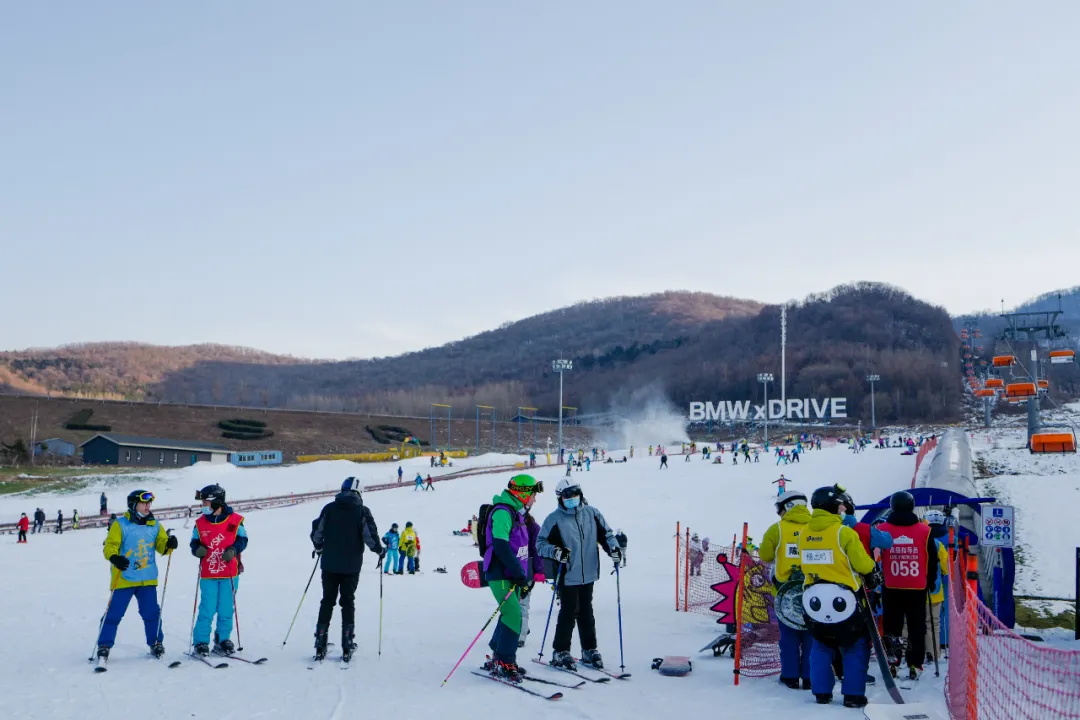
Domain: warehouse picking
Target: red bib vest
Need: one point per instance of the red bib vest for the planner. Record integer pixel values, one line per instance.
(218, 537)
(904, 565)
(864, 535)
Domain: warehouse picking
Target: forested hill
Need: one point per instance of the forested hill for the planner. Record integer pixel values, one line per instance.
(692, 346)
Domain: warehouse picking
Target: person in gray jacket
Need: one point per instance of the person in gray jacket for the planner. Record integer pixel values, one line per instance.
(570, 536)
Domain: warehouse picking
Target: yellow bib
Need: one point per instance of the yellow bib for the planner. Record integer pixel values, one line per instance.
(823, 560)
(787, 549)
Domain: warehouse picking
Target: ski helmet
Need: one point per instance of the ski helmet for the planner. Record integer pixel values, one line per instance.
(138, 496)
(408, 524)
(566, 488)
(788, 500)
(215, 494)
(351, 484)
(902, 501)
(826, 498)
(845, 497)
(934, 517)
(522, 487)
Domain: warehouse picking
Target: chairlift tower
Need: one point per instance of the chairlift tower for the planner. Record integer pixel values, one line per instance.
(1032, 327)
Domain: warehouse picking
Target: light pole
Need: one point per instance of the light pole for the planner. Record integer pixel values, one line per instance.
(765, 379)
(873, 410)
(561, 366)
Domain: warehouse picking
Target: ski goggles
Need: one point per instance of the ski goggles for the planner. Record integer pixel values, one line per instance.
(146, 496)
(571, 492)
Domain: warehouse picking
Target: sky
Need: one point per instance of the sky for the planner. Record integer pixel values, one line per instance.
(343, 179)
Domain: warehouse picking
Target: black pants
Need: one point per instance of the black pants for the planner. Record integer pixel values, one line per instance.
(899, 606)
(22, 536)
(575, 609)
(334, 584)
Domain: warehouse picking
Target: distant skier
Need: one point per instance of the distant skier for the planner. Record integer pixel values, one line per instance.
(23, 525)
(650, 451)
(429, 486)
(130, 546)
(781, 485)
(59, 522)
(408, 549)
(400, 473)
(339, 534)
(39, 521)
(104, 505)
(697, 555)
(391, 541)
(756, 454)
(419, 482)
(588, 464)
(631, 451)
(569, 466)
(218, 539)
(74, 519)
(663, 462)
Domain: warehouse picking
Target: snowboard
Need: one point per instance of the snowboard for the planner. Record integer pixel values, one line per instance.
(912, 711)
(472, 575)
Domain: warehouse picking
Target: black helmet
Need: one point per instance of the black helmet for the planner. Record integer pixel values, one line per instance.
(215, 494)
(902, 501)
(138, 496)
(827, 499)
(845, 497)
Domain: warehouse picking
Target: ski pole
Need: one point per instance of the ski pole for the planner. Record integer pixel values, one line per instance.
(317, 558)
(164, 589)
(618, 599)
(554, 592)
(380, 607)
(497, 611)
(933, 634)
(97, 639)
(195, 605)
(239, 645)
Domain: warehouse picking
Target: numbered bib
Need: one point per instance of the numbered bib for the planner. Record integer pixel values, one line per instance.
(817, 557)
(792, 550)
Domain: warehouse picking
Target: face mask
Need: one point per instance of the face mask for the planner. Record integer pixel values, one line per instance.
(208, 511)
(571, 503)
(140, 515)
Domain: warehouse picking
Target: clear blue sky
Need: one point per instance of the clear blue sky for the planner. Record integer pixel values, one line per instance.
(336, 179)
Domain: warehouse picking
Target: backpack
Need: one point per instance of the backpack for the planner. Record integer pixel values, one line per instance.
(482, 524)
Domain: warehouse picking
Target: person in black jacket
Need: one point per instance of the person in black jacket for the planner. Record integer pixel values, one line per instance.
(339, 535)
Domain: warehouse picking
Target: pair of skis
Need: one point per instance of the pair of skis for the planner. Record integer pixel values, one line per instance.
(223, 665)
(101, 664)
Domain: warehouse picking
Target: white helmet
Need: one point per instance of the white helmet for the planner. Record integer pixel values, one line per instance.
(564, 485)
(790, 499)
(934, 517)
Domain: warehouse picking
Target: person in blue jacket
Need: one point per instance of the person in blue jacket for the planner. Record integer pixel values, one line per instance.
(391, 540)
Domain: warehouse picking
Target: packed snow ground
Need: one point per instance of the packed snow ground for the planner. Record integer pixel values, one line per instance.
(56, 588)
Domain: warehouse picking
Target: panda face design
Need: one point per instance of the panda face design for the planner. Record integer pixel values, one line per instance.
(828, 604)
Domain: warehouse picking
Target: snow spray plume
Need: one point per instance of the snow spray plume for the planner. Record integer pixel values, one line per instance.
(646, 416)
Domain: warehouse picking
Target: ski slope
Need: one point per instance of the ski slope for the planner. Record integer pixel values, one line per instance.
(56, 588)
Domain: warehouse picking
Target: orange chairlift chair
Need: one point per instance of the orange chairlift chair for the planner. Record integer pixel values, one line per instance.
(1053, 440)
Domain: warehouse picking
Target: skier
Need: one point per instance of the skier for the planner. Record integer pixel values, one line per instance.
(536, 570)
(756, 454)
(130, 546)
(650, 451)
(218, 539)
(570, 536)
(104, 505)
(408, 547)
(339, 535)
(429, 486)
(391, 541)
(39, 521)
(697, 555)
(910, 567)
(419, 482)
(832, 560)
(781, 546)
(663, 461)
(400, 473)
(938, 531)
(74, 519)
(59, 522)
(631, 451)
(23, 526)
(781, 485)
(508, 569)
(588, 464)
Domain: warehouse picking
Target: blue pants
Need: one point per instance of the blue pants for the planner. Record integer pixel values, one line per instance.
(412, 564)
(217, 599)
(795, 646)
(391, 560)
(856, 658)
(401, 561)
(146, 596)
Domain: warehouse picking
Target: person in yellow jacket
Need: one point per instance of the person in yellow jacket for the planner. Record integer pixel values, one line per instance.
(833, 561)
(409, 548)
(938, 530)
(781, 547)
(130, 546)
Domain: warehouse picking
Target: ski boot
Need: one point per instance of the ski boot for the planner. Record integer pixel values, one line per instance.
(805, 684)
(321, 632)
(563, 659)
(103, 651)
(792, 683)
(348, 642)
(855, 701)
(591, 658)
(823, 698)
(224, 647)
(914, 673)
(506, 671)
(202, 649)
(157, 650)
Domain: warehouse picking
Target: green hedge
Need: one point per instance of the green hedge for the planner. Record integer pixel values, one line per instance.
(390, 435)
(248, 423)
(92, 428)
(241, 426)
(247, 435)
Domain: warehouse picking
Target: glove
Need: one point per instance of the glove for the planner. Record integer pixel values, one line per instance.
(523, 585)
(539, 578)
(873, 579)
(202, 551)
(382, 554)
(172, 543)
(616, 555)
(228, 555)
(315, 552)
(120, 562)
(561, 555)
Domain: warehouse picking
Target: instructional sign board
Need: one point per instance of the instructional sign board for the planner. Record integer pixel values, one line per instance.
(998, 526)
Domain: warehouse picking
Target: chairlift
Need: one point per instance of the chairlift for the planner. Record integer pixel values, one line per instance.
(985, 393)
(1021, 390)
(995, 383)
(1061, 357)
(1044, 384)
(1053, 440)
(1004, 360)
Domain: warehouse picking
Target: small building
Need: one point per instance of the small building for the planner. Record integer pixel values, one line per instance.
(133, 450)
(54, 447)
(255, 458)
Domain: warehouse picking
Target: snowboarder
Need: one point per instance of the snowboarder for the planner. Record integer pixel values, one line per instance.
(570, 536)
(408, 549)
(339, 534)
(130, 546)
(391, 541)
(781, 546)
(910, 568)
(23, 526)
(218, 539)
(509, 569)
(832, 560)
(663, 462)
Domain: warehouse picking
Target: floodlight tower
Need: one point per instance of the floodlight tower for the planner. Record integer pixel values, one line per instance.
(765, 379)
(561, 366)
(873, 410)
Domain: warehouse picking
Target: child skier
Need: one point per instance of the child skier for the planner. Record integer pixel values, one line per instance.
(781, 485)
(24, 526)
(419, 480)
(408, 548)
(130, 546)
(391, 540)
(663, 462)
(218, 539)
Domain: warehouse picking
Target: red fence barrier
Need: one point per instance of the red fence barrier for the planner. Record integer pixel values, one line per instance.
(925, 449)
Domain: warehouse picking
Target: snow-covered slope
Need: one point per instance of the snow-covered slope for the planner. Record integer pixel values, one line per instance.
(56, 587)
